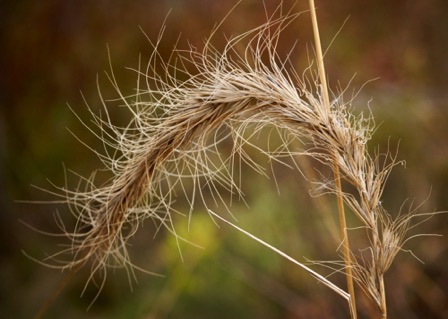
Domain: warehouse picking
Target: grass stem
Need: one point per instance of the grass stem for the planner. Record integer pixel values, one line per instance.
(342, 221)
(383, 297)
(345, 244)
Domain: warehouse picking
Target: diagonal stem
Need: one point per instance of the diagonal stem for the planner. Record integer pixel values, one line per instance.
(316, 275)
(337, 177)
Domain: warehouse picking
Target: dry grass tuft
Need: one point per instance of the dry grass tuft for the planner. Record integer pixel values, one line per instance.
(175, 134)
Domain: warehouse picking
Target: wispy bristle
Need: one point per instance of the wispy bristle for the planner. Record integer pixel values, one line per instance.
(178, 126)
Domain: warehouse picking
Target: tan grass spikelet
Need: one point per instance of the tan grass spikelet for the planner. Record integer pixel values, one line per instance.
(177, 128)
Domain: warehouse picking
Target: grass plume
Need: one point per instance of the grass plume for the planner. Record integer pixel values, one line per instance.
(178, 127)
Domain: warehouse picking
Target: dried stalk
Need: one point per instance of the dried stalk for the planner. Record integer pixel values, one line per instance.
(337, 176)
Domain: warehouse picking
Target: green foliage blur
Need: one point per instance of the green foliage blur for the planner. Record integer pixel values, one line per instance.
(53, 50)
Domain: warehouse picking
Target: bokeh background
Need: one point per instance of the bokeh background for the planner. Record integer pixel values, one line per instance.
(52, 50)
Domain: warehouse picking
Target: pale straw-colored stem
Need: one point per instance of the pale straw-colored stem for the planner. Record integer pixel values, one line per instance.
(342, 222)
(383, 297)
(320, 59)
(377, 257)
(345, 243)
(316, 275)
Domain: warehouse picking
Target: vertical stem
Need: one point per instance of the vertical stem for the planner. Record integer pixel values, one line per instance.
(320, 58)
(376, 246)
(337, 177)
(383, 297)
(345, 242)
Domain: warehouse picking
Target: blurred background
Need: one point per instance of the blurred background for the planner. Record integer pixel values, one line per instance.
(53, 50)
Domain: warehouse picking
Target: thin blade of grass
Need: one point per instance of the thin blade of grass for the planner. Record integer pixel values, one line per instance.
(316, 275)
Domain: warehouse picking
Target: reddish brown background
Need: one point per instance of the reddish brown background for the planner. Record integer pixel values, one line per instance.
(52, 50)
